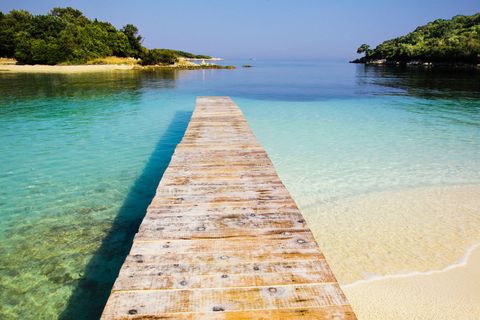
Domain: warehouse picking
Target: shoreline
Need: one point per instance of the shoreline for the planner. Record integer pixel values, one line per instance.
(463, 262)
(206, 59)
(91, 68)
(417, 63)
(420, 229)
(37, 68)
(374, 241)
(451, 293)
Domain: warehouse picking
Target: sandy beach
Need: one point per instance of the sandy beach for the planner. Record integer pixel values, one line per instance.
(110, 67)
(452, 293)
(12, 68)
(410, 246)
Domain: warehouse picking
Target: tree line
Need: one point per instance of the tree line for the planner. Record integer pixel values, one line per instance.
(65, 35)
(456, 40)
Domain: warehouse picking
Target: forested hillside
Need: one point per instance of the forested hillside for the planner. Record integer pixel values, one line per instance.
(65, 35)
(452, 41)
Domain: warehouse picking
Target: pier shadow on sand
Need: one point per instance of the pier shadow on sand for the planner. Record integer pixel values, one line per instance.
(93, 289)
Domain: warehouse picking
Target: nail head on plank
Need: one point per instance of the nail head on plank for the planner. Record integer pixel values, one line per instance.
(217, 308)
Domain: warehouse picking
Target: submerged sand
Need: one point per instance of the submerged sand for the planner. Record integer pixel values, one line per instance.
(379, 235)
(12, 68)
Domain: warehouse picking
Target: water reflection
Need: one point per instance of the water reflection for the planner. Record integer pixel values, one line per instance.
(81, 85)
(422, 82)
(441, 96)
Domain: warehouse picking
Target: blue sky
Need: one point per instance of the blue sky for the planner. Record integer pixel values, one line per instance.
(303, 29)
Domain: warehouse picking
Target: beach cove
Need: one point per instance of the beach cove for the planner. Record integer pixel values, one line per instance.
(396, 216)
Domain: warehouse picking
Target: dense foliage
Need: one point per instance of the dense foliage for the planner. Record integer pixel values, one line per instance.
(65, 35)
(454, 40)
(158, 56)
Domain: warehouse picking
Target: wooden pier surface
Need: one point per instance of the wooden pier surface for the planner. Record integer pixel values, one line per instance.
(222, 238)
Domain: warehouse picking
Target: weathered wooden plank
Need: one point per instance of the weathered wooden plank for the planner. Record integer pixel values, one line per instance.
(148, 302)
(331, 312)
(222, 238)
(183, 281)
(271, 243)
(233, 258)
(191, 266)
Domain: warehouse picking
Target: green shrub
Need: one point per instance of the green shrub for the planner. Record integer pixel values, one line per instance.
(158, 56)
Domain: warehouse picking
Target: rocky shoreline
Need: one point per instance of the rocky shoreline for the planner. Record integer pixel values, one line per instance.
(422, 63)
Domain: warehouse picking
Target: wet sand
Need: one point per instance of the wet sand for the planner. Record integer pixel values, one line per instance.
(448, 294)
(405, 233)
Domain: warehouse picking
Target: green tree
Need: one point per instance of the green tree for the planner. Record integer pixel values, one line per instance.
(45, 52)
(70, 15)
(116, 40)
(134, 39)
(10, 24)
(363, 48)
(23, 47)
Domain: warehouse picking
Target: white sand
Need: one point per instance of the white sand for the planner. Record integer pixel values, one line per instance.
(63, 69)
(448, 295)
(403, 233)
(384, 233)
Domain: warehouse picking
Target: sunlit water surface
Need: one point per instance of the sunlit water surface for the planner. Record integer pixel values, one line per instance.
(81, 156)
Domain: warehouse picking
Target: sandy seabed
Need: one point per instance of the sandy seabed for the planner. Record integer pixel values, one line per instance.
(410, 254)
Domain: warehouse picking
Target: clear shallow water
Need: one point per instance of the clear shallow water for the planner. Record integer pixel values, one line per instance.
(81, 156)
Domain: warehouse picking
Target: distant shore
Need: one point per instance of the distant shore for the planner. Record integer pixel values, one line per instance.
(422, 63)
(199, 59)
(88, 68)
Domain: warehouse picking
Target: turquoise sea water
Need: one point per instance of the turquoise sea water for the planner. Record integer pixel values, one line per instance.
(82, 154)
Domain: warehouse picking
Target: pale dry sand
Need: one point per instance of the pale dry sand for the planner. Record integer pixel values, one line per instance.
(85, 68)
(446, 295)
(63, 69)
(402, 238)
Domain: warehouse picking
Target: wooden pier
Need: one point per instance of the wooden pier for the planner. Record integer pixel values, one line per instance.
(222, 238)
